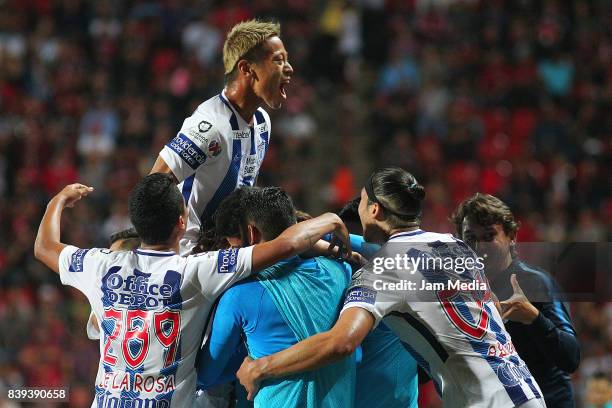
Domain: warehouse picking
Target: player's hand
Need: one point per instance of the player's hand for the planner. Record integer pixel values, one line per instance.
(356, 259)
(518, 308)
(72, 193)
(341, 240)
(249, 377)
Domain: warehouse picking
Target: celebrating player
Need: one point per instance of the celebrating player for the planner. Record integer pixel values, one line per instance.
(222, 144)
(542, 331)
(278, 312)
(151, 300)
(457, 335)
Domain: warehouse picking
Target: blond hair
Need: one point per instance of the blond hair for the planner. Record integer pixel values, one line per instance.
(244, 37)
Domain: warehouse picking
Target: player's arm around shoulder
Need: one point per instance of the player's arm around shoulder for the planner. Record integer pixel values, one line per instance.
(299, 238)
(47, 247)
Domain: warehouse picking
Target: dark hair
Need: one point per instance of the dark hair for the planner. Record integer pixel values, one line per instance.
(485, 210)
(399, 194)
(270, 209)
(229, 214)
(129, 237)
(155, 206)
(350, 212)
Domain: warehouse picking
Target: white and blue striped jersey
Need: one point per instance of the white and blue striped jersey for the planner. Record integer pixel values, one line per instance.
(152, 307)
(456, 335)
(215, 152)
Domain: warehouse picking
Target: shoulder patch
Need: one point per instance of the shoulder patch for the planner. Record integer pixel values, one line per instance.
(76, 261)
(227, 260)
(360, 294)
(204, 126)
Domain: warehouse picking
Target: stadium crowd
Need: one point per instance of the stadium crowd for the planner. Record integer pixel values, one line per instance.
(503, 97)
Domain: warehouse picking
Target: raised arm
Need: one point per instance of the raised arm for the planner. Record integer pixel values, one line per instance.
(316, 351)
(299, 238)
(160, 166)
(47, 247)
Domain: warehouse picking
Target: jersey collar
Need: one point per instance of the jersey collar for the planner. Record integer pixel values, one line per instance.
(407, 234)
(152, 252)
(236, 113)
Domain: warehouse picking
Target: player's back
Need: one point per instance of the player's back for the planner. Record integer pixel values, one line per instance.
(152, 306)
(455, 334)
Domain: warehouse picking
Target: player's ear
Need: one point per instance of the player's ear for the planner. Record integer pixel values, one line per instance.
(182, 222)
(254, 235)
(245, 68)
(377, 211)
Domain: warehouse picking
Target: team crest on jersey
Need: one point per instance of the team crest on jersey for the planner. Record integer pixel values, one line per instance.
(204, 126)
(214, 148)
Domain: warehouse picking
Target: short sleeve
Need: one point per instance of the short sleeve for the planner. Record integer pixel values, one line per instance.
(78, 267)
(216, 271)
(198, 142)
(365, 292)
(93, 329)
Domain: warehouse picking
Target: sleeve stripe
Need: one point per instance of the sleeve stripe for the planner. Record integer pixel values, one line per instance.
(187, 150)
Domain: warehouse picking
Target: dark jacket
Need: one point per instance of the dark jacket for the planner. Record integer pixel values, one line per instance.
(549, 345)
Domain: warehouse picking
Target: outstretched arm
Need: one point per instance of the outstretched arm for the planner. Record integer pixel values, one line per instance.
(299, 238)
(47, 247)
(316, 351)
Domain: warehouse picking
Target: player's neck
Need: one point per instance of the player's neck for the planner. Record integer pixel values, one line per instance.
(161, 247)
(393, 231)
(243, 99)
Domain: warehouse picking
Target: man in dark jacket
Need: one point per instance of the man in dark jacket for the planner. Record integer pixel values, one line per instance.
(541, 331)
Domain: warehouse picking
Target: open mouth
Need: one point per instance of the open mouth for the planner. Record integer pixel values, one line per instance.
(282, 89)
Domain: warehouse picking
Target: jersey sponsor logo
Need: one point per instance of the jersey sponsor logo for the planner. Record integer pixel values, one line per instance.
(196, 135)
(250, 168)
(262, 128)
(187, 150)
(242, 133)
(511, 374)
(261, 150)
(361, 294)
(106, 401)
(214, 148)
(136, 291)
(76, 261)
(227, 260)
(501, 349)
(204, 126)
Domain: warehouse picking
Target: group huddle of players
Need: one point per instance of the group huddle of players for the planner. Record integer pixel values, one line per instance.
(220, 296)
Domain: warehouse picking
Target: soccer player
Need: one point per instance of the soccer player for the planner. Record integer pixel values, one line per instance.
(287, 302)
(541, 331)
(383, 357)
(222, 144)
(457, 335)
(151, 300)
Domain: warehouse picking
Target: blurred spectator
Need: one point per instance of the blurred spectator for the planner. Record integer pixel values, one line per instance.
(507, 97)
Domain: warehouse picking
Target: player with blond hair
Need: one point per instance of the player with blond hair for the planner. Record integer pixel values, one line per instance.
(222, 144)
